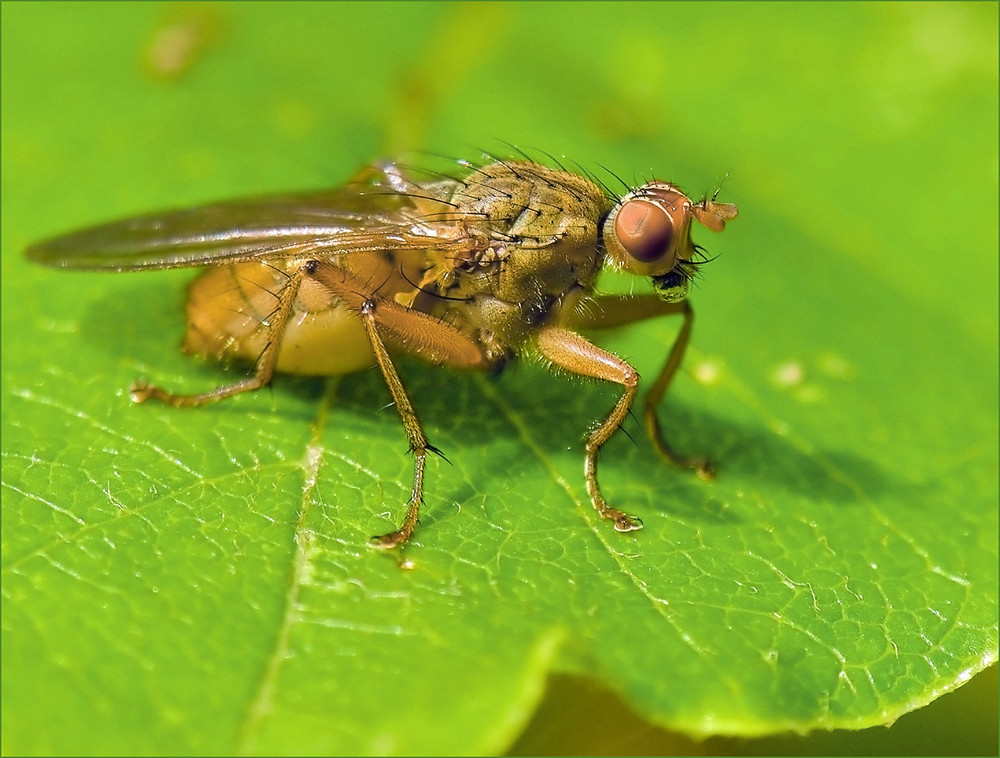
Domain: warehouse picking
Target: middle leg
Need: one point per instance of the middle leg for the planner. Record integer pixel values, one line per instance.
(414, 432)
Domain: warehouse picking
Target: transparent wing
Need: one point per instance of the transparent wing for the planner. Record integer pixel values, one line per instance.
(318, 223)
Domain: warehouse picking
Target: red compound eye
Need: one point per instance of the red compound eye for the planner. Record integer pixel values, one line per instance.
(644, 229)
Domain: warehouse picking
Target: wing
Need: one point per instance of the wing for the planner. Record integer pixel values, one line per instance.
(318, 223)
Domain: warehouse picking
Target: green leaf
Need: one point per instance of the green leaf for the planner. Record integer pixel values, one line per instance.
(199, 581)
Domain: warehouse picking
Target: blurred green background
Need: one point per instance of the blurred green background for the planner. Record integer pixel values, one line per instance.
(860, 141)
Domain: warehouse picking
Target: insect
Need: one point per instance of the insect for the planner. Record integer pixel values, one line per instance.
(466, 271)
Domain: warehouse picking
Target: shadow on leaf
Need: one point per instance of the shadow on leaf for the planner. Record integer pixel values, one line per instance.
(556, 411)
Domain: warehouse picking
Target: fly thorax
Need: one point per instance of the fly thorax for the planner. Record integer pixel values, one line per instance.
(502, 327)
(543, 225)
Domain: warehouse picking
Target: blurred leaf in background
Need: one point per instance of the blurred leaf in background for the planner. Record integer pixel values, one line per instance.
(180, 581)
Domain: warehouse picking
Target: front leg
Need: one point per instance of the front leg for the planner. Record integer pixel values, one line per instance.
(570, 351)
(699, 465)
(620, 310)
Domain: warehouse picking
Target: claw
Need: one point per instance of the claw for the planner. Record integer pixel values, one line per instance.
(140, 392)
(389, 541)
(627, 523)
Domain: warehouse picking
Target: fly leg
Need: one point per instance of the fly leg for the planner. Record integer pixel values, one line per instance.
(574, 353)
(419, 445)
(699, 465)
(412, 331)
(612, 311)
(263, 369)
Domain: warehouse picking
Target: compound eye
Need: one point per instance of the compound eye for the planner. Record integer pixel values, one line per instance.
(644, 229)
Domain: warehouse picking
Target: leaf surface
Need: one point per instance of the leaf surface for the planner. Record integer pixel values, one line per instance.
(199, 581)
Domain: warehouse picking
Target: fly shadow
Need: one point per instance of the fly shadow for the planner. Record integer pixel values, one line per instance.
(556, 410)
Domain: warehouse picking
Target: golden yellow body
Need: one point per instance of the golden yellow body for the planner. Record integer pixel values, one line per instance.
(466, 272)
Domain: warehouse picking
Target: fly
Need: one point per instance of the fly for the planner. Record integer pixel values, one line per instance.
(467, 272)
